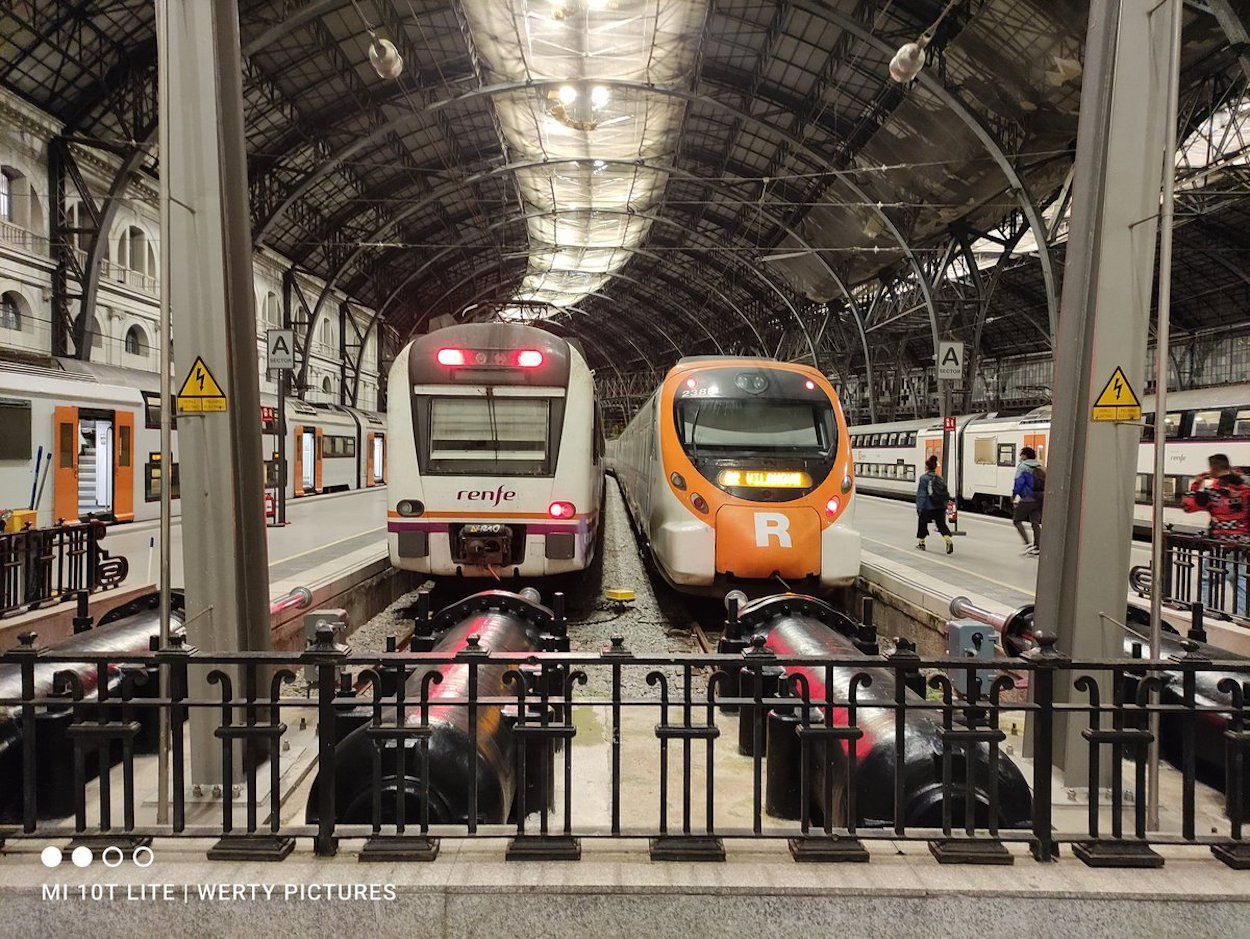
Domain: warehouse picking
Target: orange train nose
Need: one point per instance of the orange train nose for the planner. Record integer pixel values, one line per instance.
(756, 542)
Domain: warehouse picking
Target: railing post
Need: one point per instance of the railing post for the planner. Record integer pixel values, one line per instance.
(327, 656)
(29, 651)
(1045, 660)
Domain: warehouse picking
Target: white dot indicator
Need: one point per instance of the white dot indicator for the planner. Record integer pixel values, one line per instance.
(51, 856)
(115, 858)
(81, 856)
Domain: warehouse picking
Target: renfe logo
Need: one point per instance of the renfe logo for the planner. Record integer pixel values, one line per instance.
(491, 496)
(772, 525)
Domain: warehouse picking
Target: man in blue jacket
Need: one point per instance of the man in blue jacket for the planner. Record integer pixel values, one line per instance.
(931, 498)
(1028, 490)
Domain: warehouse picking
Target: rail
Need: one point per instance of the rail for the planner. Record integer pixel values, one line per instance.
(42, 566)
(682, 752)
(1200, 570)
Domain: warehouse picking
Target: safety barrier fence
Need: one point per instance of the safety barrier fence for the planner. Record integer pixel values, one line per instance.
(1212, 572)
(40, 566)
(685, 751)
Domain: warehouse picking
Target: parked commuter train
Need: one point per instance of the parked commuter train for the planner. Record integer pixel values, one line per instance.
(986, 448)
(95, 429)
(498, 463)
(738, 471)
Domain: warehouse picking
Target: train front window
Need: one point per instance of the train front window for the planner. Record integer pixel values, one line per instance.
(719, 427)
(490, 433)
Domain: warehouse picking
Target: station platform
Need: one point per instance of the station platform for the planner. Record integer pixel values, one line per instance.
(987, 567)
(331, 544)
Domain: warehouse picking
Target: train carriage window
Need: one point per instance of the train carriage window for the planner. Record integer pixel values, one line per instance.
(1241, 423)
(152, 411)
(911, 439)
(1143, 495)
(14, 429)
(152, 479)
(483, 432)
(123, 446)
(911, 472)
(1006, 454)
(1148, 429)
(985, 451)
(1172, 424)
(1205, 424)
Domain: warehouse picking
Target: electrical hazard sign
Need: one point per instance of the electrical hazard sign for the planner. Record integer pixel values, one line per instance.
(1118, 401)
(200, 393)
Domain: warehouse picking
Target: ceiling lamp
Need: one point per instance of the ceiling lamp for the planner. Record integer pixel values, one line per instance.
(600, 96)
(567, 94)
(909, 59)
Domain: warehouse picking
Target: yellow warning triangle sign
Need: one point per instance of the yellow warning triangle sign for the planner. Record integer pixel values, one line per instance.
(1118, 401)
(200, 392)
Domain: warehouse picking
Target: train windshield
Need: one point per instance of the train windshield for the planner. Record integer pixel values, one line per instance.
(504, 435)
(755, 425)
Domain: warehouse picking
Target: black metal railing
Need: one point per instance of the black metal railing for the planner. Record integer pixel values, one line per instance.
(42, 566)
(1197, 570)
(834, 752)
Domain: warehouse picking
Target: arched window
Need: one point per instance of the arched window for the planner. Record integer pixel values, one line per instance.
(97, 334)
(271, 311)
(138, 242)
(6, 195)
(326, 386)
(327, 332)
(10, 312)
(136, 340)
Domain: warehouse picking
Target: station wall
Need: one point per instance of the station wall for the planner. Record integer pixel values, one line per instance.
(127, 313)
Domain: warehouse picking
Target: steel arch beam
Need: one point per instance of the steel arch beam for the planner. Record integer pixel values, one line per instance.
(797, 144)
(956, 105)
(476, 233)
(837, 278)
(499, 263)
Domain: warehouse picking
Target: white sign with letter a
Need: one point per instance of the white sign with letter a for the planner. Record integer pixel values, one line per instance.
(279, 349)
(950, 362)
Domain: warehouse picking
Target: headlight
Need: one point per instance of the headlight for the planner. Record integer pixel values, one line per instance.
(409, 507)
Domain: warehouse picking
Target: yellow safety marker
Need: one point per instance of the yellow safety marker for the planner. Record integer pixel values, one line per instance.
(1118, 402)
(200, 393)
(620, 595)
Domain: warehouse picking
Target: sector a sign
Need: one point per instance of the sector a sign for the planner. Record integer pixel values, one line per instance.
(950, 361)
(280, 348)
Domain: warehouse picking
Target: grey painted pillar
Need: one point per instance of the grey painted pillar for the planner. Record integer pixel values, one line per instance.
(203, 165)
(1103, 322)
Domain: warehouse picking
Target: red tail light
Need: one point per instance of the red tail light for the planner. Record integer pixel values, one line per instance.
(832, 506)
(529, 358)
(451, 357)
(561, 510)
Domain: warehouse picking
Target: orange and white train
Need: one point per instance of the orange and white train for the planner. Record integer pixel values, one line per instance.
(738, 472)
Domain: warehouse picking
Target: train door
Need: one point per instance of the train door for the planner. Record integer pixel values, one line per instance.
(298, 462)
(318, 452)
(124, 467)
(369, 456)
(378, 459)
(1038, 443)
(65, 473)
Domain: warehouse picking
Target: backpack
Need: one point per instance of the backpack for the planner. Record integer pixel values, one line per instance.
(939, 495)
(1039, 480)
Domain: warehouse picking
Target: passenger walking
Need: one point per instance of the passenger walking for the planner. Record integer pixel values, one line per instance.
(1222, 492)
(931, 498)
(1028, 490)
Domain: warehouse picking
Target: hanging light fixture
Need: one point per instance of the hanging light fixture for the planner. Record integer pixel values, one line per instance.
(385, 58)
(909, 59)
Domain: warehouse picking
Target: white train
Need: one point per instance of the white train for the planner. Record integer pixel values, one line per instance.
(498, 467)
(94, 431)
(737, 472)
(987, 446)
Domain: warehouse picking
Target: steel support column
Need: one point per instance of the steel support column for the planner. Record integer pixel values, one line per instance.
(1083, 579)
(204, 172)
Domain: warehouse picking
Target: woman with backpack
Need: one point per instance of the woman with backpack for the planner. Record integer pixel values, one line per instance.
(931, 498)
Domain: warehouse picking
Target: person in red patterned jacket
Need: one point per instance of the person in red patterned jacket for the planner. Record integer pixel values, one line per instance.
(1224, 494)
